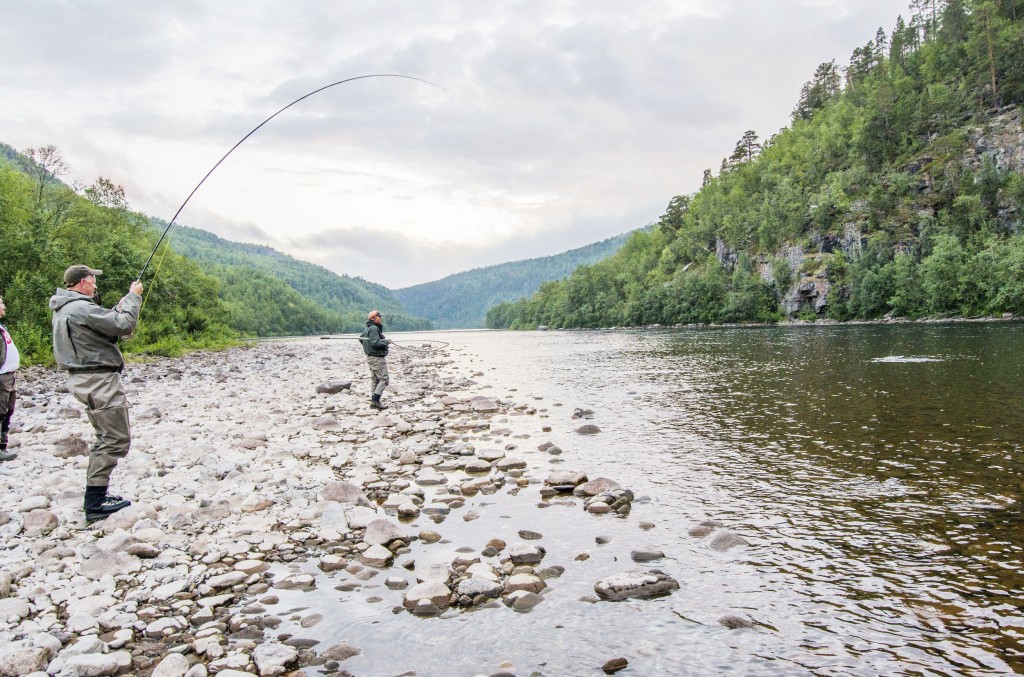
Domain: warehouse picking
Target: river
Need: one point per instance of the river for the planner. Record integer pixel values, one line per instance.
(876, 472)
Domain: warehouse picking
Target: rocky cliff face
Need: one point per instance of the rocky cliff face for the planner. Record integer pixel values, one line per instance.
(1000, 140)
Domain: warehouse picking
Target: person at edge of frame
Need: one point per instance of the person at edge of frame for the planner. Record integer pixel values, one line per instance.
(10, 360)
(376, 348)
(85, 345)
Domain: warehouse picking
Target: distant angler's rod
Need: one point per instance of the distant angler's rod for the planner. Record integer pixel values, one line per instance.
(315, 91)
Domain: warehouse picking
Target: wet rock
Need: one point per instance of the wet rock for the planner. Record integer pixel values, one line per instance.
(524, 553)
(483, 405)
(382, 532)
(635, 584)
(619, 501)
(527, 535)
(596, 486)
(472, 587)
(646, 555)
(340, 652)
(330, 563)
(490, 455)
(735, 622)
(565, 480)
(296, 582)
(522, 600)
(510, 463)
(588, 429)
(614, 665)
(477, 466)
(376, 556)
(272, 658)
(527, 582)
(427, 536)
(704, 528)
(434, 592)
(726, 540)
(582, 413)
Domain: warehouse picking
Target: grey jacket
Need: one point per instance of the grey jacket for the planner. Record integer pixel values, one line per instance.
(85, 334)
(3, 348)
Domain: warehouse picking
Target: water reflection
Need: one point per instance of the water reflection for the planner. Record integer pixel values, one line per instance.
(881, 498)
(884, 491)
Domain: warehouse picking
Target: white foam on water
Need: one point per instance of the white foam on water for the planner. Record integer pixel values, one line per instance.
(907, 358)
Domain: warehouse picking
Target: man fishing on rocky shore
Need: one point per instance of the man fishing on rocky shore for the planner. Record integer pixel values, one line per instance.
(376, 348)
(85, 345)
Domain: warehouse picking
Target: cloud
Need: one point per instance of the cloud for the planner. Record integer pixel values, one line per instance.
(564, 122)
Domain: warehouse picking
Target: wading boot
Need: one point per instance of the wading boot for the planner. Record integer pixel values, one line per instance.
(4, 454)
(375, 403)
(99, 505)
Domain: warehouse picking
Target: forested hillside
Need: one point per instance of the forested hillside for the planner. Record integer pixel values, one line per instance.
(204, 292)
(45, 226)
(898, 189)
(462, 300)
(303, 298)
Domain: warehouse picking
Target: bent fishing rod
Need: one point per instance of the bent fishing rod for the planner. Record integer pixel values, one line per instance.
(254, 130)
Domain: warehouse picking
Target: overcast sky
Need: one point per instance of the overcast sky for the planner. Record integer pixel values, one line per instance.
(561, 122)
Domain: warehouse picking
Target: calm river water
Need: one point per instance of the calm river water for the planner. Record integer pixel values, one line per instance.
(877, 472)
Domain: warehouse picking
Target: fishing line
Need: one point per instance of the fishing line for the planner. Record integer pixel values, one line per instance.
(257, 127)
(159, 264)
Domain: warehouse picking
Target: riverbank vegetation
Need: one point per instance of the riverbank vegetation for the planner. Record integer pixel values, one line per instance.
(201, 292)
(898, 189)
(45, 226)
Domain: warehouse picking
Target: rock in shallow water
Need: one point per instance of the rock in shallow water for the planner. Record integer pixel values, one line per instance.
(635, 584)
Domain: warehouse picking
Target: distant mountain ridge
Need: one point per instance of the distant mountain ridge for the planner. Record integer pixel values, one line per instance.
(349, 296)
(461, 301)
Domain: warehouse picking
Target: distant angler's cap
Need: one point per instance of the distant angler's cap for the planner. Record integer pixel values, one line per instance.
(77, 273)
(373, 314)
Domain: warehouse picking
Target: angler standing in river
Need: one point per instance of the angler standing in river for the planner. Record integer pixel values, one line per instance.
(85, 345)
(10, 360)
(376, 348)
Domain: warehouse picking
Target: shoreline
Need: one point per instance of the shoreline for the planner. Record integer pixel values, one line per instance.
(250, 461)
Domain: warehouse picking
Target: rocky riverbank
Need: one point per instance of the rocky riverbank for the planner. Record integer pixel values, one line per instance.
(262, 470)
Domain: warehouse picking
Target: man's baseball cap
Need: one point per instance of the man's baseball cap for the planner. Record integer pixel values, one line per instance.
(373, 314)
(77, 273)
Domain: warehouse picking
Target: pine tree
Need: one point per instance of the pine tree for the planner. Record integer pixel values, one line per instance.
(747, 148)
